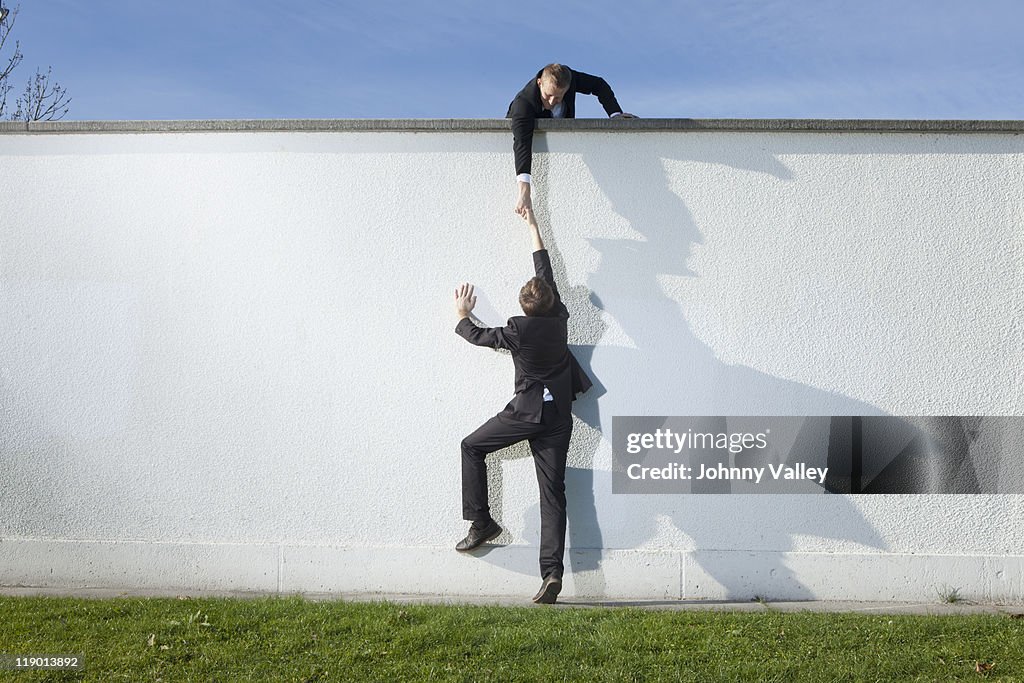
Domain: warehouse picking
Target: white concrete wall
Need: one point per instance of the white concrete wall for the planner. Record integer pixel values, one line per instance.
(227, 360)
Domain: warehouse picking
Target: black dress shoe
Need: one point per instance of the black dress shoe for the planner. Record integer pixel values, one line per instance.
(478, 537)
(549, 590)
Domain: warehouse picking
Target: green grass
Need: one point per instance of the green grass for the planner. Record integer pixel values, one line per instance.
(291, 639)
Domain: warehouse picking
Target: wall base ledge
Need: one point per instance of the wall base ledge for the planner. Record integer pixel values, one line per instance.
(509, 571)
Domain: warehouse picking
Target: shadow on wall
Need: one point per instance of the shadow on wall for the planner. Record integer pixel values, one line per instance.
(671, 372)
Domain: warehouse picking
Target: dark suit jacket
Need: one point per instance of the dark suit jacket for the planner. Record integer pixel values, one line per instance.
(539, 351)
(526, 108)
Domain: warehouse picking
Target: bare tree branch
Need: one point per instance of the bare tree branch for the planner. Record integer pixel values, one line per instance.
(12, 62)
(43, 99)
(6, 26)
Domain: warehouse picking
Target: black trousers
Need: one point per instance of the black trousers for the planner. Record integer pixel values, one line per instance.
(549, 442)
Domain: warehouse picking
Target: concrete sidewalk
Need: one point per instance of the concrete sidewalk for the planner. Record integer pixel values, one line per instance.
(922, 608)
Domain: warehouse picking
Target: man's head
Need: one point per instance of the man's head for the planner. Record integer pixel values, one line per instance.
(554, 82)
(536, 297)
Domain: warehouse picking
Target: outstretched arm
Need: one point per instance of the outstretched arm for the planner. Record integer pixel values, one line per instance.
(522, 131)
(523, 122)
(531, 220)
(542, 263)
(495, 337)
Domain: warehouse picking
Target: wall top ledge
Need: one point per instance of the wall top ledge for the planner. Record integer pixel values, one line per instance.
(488, 125)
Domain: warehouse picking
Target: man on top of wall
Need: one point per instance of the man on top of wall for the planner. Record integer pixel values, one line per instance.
(552, 94)
(547, 379)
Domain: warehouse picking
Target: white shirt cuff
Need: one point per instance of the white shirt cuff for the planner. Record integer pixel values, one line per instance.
(523, 178)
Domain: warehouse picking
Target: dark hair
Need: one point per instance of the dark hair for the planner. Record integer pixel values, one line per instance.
(560, 74)
(536, 297)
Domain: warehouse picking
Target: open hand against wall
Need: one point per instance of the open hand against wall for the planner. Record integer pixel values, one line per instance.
(464, 300)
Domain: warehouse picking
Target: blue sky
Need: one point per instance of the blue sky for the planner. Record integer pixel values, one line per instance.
(142, 59)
